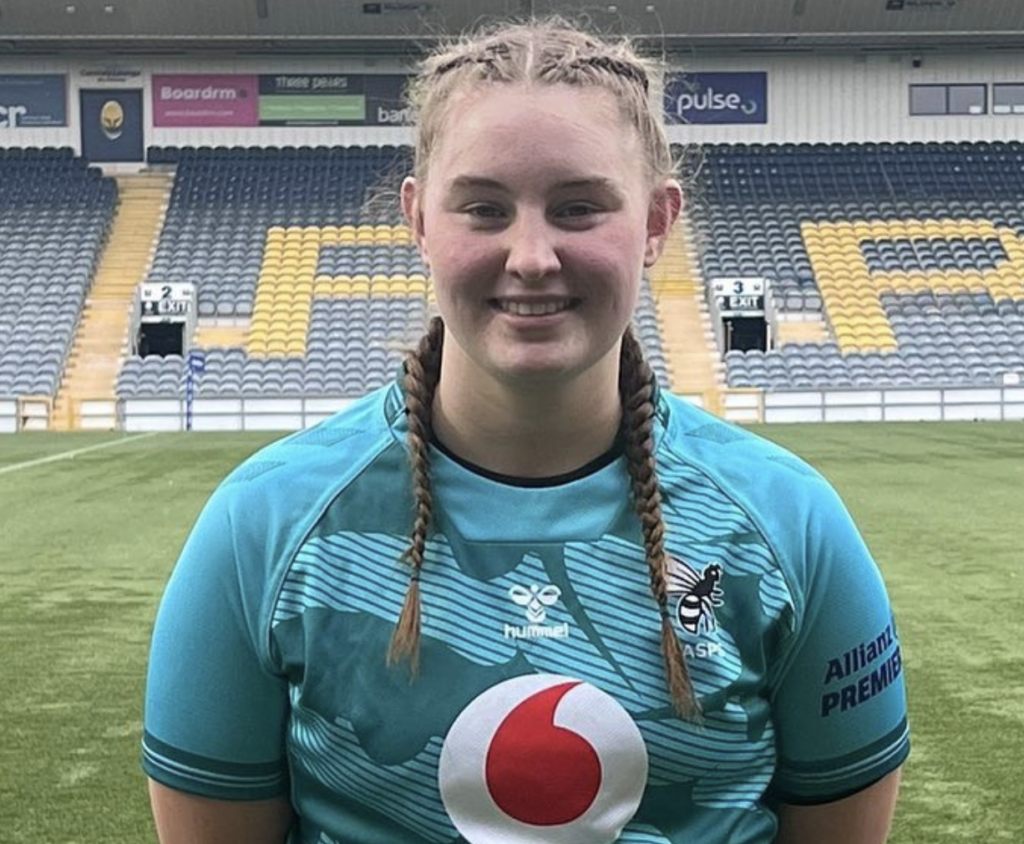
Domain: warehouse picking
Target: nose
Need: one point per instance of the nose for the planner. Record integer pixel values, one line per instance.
(532, 246)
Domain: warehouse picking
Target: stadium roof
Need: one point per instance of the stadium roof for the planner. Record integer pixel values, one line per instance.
(120, 27)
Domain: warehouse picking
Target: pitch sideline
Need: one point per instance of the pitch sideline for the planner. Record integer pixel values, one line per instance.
(67, 455)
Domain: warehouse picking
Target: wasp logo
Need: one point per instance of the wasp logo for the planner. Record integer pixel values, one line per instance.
(112, 119)
(536, 599)
(698, 595)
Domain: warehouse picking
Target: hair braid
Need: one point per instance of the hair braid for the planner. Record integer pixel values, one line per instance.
(548, 51)
(636, 386)
(422, 371)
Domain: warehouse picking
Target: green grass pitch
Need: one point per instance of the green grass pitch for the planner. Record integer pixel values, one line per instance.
(90, 525)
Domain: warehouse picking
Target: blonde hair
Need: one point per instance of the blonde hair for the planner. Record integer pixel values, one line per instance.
(545, 52)
(542, 52)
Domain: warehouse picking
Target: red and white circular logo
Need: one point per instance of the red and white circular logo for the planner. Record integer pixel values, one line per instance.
(542, 759)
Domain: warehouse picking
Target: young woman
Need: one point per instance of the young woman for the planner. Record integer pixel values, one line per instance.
(523, 596)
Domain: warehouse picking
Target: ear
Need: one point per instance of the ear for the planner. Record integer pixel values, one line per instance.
(662, 213)
(413, 213)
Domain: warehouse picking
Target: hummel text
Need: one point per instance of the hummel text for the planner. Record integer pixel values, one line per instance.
(537, 631)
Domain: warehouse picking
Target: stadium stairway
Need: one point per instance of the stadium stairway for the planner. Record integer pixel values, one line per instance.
(101, 338)
(687, 337)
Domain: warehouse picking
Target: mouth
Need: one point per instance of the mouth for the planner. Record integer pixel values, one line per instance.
(533, 309)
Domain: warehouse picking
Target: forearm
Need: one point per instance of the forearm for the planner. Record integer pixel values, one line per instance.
(862, 818)
(188, 819)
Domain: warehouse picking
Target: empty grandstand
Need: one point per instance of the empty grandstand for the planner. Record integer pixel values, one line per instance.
(850, 248)
(302, 246)
(910, 252)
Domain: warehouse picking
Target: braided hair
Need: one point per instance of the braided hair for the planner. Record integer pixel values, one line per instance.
(545, 52)
(541, 52)
(636, 389)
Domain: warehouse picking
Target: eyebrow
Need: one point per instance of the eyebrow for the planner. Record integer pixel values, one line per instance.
(469, 182)
(463, 182)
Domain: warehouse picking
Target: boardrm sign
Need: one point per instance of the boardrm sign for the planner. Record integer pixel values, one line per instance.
(716, 98)
(205, 100)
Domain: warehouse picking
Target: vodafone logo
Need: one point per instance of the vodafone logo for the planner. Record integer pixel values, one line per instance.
(542, 759)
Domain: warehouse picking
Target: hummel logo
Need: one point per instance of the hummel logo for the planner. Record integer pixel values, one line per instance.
(536, 600)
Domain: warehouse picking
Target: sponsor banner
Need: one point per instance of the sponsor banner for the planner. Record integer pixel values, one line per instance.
(385, 100)
(293, 99)
(716, 98)
(301, 99)
(312, 110)
(29, 100)
(182, 100)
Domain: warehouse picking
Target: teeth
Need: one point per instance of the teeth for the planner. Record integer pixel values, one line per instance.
(533, 308)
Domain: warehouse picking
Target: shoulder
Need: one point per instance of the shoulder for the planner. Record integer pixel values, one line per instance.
(246, 539)
(747, 466)
(797, 512)
(346, 435)
(272, 500)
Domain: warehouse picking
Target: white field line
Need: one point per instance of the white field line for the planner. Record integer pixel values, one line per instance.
(68, 455)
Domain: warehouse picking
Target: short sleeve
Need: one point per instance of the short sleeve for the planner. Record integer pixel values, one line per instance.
(838, 689)
(215, 711)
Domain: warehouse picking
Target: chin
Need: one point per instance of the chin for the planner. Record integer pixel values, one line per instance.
(539, 373)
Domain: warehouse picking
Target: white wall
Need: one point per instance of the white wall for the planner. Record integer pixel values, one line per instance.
(822, 98)
(811, 97)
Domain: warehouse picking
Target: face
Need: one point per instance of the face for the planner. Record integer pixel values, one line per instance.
(536, 220)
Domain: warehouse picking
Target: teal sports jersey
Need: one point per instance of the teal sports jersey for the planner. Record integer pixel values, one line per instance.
(540, 713)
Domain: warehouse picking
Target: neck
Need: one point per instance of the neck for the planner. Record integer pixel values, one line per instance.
(532, 430)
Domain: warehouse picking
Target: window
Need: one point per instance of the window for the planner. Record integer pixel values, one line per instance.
(1008, 98)
(927, 99)
(967, 99)
(947, 99)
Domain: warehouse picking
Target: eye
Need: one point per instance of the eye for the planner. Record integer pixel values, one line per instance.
(578, 215)
(577, 209)
(484, 211)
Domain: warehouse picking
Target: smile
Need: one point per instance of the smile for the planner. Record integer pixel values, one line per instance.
(533, 308)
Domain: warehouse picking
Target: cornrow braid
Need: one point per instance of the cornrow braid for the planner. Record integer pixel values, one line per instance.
(636, 387)
(488, 55)
(422, 371)
(620, 67)
(548, 51)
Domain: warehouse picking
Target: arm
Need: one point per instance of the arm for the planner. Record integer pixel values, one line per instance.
(861, 818)
(840, 701)
(183, 818)
(215, 711)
